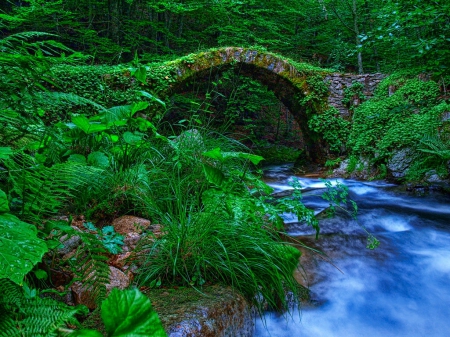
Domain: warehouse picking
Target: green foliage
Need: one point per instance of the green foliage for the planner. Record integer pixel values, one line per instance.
(124, 313)
(33, 316)
(276, 154)
(316, 97)
(111, 240)
(130, 312)
(332, 127)
(434, 156)
(204, 247)
(413, 29)
(230, 235)
(89, 261)
(21, 248)
(38, 190)
(401, 120)
(352, 93)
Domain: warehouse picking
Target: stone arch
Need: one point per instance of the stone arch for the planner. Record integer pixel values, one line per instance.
(287, 79)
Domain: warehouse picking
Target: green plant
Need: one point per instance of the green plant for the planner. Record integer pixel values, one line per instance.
(354, 95)
(332, 127)
(332, 163)
(338, 198)
(229, 235)
(124, 313)
(21, 247)
(23, 315)
(127, 313)
(386, 124)
(111, 240)
(87, 262)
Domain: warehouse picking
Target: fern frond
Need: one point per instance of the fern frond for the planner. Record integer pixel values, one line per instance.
(32, 317)
(90, 267)
(434, 144)
(61, 98)
(43, 190)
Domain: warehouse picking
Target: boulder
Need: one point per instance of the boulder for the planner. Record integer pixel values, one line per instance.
(399, 163)
(130, 241)
(129, 223)
(69, 243)
(221, 313)
(81, 295)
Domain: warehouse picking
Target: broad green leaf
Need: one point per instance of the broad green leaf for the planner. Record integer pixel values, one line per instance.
(5, 152)
(20, 248)
(252, 157)
(153, 98)
(139, 106)
(116, 113)
(87, 126)
(140, 73)
(132, 138)
(77, 158)
(4, 208)
(223, 156)
(98, 159)
(129, 313)
(120, 114)
(214, 175)
(215, 154)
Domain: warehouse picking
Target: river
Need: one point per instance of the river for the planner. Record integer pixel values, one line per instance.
(402, 288)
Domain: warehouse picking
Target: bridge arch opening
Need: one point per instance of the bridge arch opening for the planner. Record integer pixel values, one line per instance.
(283, 79)
(228, 100)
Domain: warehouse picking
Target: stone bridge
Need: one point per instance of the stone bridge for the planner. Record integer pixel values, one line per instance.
(294, 84)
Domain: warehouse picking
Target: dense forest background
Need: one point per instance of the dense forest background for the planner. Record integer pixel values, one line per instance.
(346, 35)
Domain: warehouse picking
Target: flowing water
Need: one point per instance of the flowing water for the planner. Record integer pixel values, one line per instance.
(402, 288)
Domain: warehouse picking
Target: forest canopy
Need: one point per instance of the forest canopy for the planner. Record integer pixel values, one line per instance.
(347, 35)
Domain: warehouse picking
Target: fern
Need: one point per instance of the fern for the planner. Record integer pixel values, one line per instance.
(61, 98)
(43, 190)
(435, 145)
(33, 317)
(89, 264)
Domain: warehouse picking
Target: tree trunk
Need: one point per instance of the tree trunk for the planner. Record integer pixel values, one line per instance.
(357, 39)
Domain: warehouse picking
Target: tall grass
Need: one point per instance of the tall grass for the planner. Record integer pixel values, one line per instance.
(201, 243)
(202, 247)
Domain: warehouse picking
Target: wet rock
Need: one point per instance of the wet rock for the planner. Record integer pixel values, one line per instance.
(220, 312)
(83, 295)
(117, 279)
(128, 223)
(130, 241)
(433, 177)
(362, 170)
(120, 261)
(69, 243)
(399, 163)
(341, 171)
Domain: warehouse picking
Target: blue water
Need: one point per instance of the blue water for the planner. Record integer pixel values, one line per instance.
(401, 288)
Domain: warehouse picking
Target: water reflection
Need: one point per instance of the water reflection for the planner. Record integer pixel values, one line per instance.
(400, 289)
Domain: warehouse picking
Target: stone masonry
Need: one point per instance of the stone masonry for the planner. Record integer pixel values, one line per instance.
(338, 82)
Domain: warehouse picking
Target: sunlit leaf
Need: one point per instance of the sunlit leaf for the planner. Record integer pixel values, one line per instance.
(20, 248)
(129, 313)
